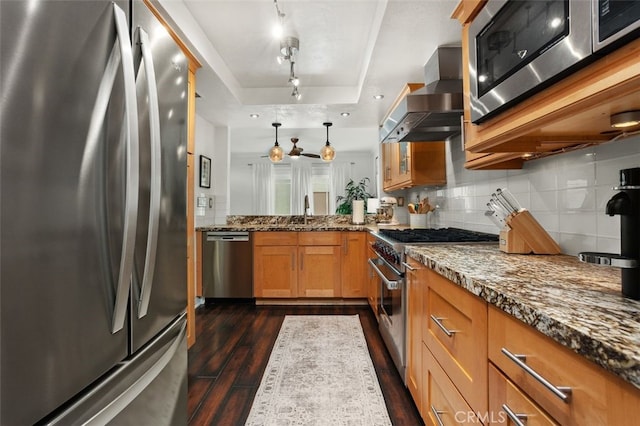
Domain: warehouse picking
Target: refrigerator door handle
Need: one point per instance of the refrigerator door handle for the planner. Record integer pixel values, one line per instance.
(156, 175)
(132, 172)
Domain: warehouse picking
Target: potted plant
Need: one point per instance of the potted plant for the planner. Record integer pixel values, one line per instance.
(352, 191)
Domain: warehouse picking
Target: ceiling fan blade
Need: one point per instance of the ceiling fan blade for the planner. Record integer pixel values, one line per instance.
(311, 155)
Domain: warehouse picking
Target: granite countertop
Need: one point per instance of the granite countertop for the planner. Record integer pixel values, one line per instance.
(291, 223)
(576, 304)
(287, 227)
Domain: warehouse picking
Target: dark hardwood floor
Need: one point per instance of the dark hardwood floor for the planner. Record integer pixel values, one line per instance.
(233, 345)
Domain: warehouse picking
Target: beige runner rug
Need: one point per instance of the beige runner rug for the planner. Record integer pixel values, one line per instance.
(319, 373)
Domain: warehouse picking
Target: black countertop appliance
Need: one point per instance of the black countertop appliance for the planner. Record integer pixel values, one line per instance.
(625, 203)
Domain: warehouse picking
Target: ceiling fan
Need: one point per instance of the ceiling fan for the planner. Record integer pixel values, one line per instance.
(297, 152)
(276, 153)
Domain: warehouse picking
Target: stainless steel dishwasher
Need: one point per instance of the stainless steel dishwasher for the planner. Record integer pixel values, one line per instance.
(227, 265)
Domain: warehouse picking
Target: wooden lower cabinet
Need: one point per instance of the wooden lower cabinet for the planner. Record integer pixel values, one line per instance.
(474, 362)
(310, 264)
(596, 397)
(507, 401)
(414, 375)
(275, 272)
(442, 403)
(354, 276)
(319, 271)
(373, 290)
(455, 331)
(275, 264)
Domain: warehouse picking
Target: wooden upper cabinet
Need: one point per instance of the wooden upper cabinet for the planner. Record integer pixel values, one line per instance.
(409, 164)
(572, 113)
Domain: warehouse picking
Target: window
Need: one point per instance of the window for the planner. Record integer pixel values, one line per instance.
(320, 186)
(282, 181)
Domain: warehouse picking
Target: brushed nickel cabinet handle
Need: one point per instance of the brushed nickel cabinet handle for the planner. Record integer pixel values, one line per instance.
(562, 392)
(438, 321)
(409, 267)
(436, 414)
(517, 419)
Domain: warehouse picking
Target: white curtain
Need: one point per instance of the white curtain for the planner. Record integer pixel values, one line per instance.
(339, 175)
(300, 186)
(263, 189)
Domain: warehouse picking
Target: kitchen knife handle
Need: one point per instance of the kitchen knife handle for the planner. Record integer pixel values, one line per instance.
(156, 175)
(130, 128)
(564, 393)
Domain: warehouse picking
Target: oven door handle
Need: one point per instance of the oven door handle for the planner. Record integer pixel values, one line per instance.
(391, 285)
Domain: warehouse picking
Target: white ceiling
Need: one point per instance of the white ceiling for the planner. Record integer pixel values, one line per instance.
(349, 51)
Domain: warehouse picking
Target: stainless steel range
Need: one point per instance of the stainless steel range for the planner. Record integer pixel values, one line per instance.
(390, 267)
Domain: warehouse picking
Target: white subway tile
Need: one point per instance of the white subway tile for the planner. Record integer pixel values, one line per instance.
(578, 223)
(578, 199)
(572, 244)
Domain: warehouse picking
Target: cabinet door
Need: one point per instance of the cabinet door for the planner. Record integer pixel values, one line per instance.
(455, 331)
(354, 261)
(504, 395)
(442, 404)
(402, 163)
(415, 282)
(275, 271)
(319, 271)
(373, 292)
(387, 160)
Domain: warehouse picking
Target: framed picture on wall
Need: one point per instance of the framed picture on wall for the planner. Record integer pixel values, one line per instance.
(205, 172)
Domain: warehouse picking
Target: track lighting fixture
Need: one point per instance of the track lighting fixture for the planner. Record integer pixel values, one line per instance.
(276, 154)
(289, 47)
(327, 153)
(278, 28)
(296, 94)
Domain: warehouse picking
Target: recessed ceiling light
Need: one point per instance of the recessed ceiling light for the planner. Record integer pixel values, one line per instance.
(378, 97)
(345, 114)
(254, 115)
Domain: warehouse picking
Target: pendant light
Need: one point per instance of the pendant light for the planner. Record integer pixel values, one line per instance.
(327, 153)
(276, 154)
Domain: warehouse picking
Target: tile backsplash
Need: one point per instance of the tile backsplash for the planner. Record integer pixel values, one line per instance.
(566, 193)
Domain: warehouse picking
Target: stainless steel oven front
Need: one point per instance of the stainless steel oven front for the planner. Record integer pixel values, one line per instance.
(392, 314)
(518, 47)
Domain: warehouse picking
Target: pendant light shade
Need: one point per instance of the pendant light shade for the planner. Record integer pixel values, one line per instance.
(276, 154)
(327, 153)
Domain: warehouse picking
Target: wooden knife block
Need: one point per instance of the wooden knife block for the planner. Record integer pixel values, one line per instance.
(523, 234)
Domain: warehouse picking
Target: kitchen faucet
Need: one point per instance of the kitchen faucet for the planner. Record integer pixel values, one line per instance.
(306, 208)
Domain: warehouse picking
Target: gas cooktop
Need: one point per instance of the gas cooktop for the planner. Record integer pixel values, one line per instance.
(441, 235)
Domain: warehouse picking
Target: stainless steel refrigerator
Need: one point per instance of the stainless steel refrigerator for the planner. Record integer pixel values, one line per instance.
(92, 216)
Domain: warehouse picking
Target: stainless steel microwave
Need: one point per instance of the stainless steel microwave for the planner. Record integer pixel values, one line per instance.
(614, 22)
(518, 47)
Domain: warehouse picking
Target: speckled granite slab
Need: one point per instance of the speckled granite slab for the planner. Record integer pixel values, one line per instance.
(290, 223)
(576, 304)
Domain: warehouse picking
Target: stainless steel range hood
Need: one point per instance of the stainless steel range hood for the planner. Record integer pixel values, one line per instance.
(433, 112)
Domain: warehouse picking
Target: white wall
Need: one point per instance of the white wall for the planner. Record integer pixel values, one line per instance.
(241, 180)
(566, 193)
(211, 142)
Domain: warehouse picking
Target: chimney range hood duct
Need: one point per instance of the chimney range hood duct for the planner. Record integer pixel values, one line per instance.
(433, 112)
